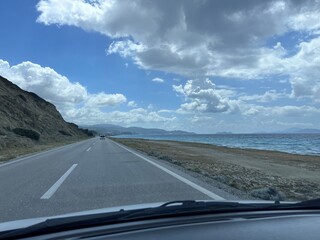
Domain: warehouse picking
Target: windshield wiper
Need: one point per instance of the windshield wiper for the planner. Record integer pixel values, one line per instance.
(179, 208)
(169, 209)
(309, 204)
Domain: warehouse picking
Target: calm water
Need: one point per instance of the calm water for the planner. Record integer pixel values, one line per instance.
(308, 144)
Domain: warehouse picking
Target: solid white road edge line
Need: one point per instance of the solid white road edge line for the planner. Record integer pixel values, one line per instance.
(88, 149)
(58, 183)
(186, 181)
(40, 153)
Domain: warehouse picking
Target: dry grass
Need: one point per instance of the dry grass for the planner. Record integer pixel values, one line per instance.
(296, 176)
(16, 151)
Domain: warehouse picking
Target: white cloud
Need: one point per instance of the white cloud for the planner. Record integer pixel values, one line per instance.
(203, 38)
(158, 80)
(202, 96)
(103, 99)
(292, 111)
(126, 48)
(201, 119)
(45, 82)
(54, 87)
(268, 96)
(134, 116)
(112, 18)
(306, 18)
(305, 71)
(132, 104)
(166, 111)
(286, 111)
(73, 100)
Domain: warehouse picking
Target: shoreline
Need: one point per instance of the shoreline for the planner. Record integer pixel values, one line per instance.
(227, 148)
(223, 146)
(252, 171)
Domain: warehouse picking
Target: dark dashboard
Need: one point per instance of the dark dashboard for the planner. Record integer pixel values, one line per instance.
(293, 224)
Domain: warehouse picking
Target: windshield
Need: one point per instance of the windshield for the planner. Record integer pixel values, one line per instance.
(109, 103)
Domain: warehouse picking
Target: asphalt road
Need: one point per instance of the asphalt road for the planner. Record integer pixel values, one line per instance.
(89, 175)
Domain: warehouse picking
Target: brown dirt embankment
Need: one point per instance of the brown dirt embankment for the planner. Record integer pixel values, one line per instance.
(295, 176)
(22, 149)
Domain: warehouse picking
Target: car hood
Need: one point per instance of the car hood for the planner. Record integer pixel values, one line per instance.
(23, 223)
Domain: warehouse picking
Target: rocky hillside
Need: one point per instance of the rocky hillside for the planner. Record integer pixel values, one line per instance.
(27, 120)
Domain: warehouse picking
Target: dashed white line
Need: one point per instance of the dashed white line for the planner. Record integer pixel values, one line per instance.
(186, 181)
(88, 149)
(55, 186)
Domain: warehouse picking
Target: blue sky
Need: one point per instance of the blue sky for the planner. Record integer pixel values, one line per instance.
(202, 67)
(77, 54)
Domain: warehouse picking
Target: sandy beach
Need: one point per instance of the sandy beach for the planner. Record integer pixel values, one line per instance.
(293, 176)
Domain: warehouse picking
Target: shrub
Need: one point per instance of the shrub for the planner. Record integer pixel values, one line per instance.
(268, 194)
(73, 125)
(27, 133)
(22, 97)
(64, 133)
(153, 154)
(88, 132)
(165, 157)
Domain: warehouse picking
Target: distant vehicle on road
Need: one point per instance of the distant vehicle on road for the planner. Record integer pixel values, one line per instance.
(102, 137)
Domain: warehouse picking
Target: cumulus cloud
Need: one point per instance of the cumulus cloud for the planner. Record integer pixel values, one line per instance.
(202, 96)
(103, 99)
(132, 104)
(158, 80)
(293, 111)
(134, 116)
(55, 87)
(268, 96)
(44, 81)
(305, 72)
(201, 119)
(73, 100)
(286, 111)
(202, 38)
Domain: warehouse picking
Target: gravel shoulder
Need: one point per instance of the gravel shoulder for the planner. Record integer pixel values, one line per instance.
(247, 173)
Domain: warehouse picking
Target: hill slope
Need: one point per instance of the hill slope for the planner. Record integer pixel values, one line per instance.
(27, 120)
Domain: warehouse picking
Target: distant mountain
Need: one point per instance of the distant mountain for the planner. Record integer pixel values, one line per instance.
(110, 129)
(27, 120)
(300, 130)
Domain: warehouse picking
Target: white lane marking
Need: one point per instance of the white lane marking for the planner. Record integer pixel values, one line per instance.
(58, 183)
(186, 181)
(88, 149)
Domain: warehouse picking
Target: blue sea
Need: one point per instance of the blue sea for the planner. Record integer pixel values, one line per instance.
(306, 144)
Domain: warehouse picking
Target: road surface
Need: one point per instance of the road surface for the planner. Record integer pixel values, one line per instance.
(89, 175)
